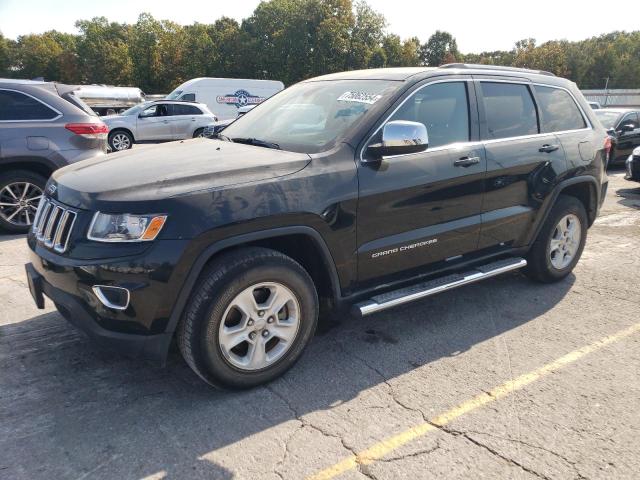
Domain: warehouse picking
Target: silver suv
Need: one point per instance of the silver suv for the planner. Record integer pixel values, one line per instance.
(43, 126)
(157, 121)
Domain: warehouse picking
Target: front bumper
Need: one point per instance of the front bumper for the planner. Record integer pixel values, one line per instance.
(152, 278)
(149, 347)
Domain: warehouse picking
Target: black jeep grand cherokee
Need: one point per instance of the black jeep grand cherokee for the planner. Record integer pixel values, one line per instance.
(367, 188)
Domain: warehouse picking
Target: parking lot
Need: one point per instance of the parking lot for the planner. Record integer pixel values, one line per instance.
(502, 379)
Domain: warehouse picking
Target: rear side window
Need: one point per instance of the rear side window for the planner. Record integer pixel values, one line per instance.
(186, 110)
(558, 111)
(16, 106)
(509, 110)
(443, 108)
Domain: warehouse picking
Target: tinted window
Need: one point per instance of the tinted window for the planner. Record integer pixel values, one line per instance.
(186, 110)
(630, 119)
(558, 111)
(509, 110)
(189, 97)
(443, 108)
(17, 106)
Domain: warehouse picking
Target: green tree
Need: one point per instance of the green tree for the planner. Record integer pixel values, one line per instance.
(440, 48)
(5, 58)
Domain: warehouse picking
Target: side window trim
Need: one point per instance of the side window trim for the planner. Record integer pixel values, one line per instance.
(59, 113)
(473, 117)
(585, 118)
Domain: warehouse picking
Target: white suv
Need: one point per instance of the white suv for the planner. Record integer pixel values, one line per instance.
(157, 121)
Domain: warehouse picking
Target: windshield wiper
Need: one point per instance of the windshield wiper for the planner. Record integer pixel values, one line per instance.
(257, 142)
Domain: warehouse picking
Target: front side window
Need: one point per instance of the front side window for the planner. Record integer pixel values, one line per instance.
(189, 97)
(509, 110)
(443, 108)
(558, 110)
(630, 119)
(310, 117)
(160, 110)
(16, 106)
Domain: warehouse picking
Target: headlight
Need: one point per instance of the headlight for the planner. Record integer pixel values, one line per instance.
(125, 227)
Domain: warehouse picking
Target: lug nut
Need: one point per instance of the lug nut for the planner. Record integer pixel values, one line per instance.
(265, 333)
(261, 313)
(250, 322)
(270, 320)
(252, 335)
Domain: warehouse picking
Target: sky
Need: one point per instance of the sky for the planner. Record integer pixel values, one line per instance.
(478, 25)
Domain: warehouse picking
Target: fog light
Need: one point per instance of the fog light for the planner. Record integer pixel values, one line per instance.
(112, 297)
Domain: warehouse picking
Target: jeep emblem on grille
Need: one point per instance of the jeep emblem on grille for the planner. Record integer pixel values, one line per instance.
(51, 189)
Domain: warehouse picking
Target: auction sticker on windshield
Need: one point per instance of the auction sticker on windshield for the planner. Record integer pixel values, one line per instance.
(360, 97)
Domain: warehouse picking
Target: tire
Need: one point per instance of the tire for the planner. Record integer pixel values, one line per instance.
(201, 332)
(545, 266)
(18, 219)
(120, 140)
(198, 133)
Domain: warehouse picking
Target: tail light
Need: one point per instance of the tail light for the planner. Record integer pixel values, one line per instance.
(607, 145)
(88, 130)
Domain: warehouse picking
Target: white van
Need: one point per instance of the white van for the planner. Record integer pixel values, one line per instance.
(224, 96)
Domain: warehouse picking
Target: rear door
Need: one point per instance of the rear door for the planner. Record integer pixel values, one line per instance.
(517, 153)
(420, 208)
(184, 120)
(153, 123)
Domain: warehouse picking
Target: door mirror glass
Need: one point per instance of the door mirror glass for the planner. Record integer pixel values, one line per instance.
(400, 137)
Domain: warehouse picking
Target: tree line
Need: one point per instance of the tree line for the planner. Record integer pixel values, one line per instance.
(288, 40)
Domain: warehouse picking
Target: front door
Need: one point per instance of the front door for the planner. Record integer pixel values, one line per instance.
(153, 123)
(420, 208)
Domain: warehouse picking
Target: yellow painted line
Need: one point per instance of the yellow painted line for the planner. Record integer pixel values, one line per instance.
(379, 450)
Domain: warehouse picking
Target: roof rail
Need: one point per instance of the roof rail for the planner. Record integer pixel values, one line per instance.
(476, 66)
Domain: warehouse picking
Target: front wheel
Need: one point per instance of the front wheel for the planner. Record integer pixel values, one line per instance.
(559, 245)
(199, 133)
(249, 319)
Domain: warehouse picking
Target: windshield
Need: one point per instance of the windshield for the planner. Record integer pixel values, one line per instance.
(310, 117)
(607, 119)
(174, 95)
(135, 109)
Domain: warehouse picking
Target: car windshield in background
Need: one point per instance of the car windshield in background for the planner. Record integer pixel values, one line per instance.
(310, 117)
(174, 95)
(607, 119)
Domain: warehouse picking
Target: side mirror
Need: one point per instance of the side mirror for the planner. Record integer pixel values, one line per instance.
(400, 137)
(629, 127)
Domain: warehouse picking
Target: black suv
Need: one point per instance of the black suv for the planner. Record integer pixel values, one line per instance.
(367, 189)
(623, 125)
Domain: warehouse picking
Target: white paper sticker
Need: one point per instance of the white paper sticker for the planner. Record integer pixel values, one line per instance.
(359, 97)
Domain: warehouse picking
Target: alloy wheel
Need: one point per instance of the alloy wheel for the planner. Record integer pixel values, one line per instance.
(120, 141)
(259, 326)
(19, 202)
(565, 241)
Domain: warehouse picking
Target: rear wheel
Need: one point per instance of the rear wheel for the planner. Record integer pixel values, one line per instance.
(20, 194)
(559, 245)
(249, 319)
(120, 140)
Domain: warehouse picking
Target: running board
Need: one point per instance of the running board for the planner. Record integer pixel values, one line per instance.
(426, 289)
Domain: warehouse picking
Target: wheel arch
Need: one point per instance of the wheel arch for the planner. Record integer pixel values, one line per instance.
(122, 129)
(39, 165)
(313, 254)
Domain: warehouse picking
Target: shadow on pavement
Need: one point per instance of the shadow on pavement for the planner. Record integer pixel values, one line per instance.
(69, 410)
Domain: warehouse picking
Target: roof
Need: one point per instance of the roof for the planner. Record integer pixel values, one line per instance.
(396, 73)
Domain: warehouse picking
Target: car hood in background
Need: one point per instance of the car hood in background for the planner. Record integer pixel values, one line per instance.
(172, 169)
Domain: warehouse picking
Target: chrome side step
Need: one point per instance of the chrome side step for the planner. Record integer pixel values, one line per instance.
(426, 289)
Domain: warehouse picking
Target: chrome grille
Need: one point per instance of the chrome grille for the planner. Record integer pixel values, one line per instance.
(53, 224)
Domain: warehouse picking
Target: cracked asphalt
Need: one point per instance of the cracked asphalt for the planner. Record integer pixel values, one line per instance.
(71, 411)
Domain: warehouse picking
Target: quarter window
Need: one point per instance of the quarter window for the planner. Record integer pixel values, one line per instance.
(15, 106)
(443, 108)
(509, 110)
(558, 110)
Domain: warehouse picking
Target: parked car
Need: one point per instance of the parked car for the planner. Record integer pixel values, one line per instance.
(595, 105)
(226, 96)
(43, 126)
(213, 129)
(158, 121)
(365, 189)
(632, 166)
(623, 125)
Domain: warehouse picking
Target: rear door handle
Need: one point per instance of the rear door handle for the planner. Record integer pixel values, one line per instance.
(546, 148)
(466, 162)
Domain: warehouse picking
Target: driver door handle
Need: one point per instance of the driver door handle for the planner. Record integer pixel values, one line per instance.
(466, 162)
(546, 148)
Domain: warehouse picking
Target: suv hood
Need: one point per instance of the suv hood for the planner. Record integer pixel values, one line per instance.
(155, 172)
